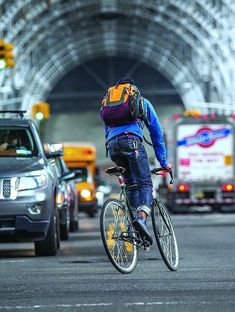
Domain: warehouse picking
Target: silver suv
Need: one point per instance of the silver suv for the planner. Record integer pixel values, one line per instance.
(28, 187)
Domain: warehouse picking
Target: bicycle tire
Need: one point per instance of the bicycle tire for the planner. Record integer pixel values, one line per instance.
(165, 235)
(115, 221)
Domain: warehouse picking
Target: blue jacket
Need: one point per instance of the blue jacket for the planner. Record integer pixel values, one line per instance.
(154, 128)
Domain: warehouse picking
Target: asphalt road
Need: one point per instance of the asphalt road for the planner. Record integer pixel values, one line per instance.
(80, 277)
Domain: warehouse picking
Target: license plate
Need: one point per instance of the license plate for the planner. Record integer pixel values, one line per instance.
(199, 195)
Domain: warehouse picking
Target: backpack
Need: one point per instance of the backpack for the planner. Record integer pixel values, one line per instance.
(122, 105)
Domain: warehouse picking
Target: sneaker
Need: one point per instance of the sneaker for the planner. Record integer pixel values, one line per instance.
(141, 226)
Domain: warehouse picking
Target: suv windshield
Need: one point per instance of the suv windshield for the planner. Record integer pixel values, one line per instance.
(16, 142)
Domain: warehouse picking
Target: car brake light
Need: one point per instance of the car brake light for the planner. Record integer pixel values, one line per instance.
(228, 187)
(183, 188)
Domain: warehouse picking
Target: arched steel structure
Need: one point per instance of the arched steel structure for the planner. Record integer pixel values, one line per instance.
(190, 42)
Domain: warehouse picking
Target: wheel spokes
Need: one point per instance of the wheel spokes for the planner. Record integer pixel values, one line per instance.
(165, 236)
(117, 226)
(167, 240)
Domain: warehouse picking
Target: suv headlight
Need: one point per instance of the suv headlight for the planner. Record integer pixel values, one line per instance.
(60, 199)
(32, 182)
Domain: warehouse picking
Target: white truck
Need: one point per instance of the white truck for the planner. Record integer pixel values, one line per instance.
(203, 156)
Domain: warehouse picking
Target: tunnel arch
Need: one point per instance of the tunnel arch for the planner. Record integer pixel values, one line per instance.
(192, 25)
(171, 66)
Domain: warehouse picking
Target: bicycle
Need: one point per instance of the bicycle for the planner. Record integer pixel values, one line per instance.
(120, 239)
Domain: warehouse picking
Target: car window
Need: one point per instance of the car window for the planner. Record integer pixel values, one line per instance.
(17, 142)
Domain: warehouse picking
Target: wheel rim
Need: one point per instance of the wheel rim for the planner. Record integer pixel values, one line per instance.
(165, 237)
(117, 237)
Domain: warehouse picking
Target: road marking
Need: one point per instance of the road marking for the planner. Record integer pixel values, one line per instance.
(155, 303)
(12, 261)
(56, 306)
(102, 304)
(175, 302)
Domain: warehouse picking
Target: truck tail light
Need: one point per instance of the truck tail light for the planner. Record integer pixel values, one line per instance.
(227, 187)
(213, 116)
(183, 188)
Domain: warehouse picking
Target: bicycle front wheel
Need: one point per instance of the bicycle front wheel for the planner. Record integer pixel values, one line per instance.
(118, 236)
(165, 235)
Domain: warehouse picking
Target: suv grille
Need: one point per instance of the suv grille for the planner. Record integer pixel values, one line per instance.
(7, 188)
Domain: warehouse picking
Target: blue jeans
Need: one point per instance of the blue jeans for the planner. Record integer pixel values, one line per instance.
(129, 152)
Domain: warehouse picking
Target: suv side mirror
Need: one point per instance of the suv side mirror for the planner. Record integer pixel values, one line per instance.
(53, 150)
(68, 176)
(72, 175)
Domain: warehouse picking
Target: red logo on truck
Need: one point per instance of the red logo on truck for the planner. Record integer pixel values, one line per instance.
(205, 137)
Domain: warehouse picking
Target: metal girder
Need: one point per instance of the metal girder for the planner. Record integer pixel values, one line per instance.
(157, 57)
(142, 34)
(192, 23)
(54, 57)
(184, 37)
(198, 36)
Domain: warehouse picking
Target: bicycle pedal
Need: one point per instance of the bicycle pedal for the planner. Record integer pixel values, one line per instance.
(146, 246)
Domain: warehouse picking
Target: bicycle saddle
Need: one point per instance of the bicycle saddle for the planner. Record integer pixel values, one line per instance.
(115, 170)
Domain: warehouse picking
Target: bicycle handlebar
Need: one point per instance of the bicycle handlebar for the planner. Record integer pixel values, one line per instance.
(117, 171)
(157, 170)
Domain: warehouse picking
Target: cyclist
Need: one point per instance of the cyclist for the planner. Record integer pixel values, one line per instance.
(126, 149)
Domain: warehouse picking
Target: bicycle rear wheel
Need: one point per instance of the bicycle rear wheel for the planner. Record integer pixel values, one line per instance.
(165, 235)
(118, 236)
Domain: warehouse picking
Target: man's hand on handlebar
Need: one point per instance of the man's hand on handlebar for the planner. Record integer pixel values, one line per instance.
(168, 168)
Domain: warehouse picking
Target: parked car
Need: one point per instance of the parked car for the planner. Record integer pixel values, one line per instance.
(67, 199)
(28, 186)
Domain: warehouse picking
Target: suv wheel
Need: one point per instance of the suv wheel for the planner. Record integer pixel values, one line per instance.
(49, 246)
(64, 227)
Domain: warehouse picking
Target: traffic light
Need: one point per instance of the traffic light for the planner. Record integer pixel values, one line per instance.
(6, 55)
(2, 54)
(192, 113)
(40, 111)
(9, 56)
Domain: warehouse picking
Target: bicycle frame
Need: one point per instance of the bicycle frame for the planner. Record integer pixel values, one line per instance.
(137, 241)
(123, 196)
